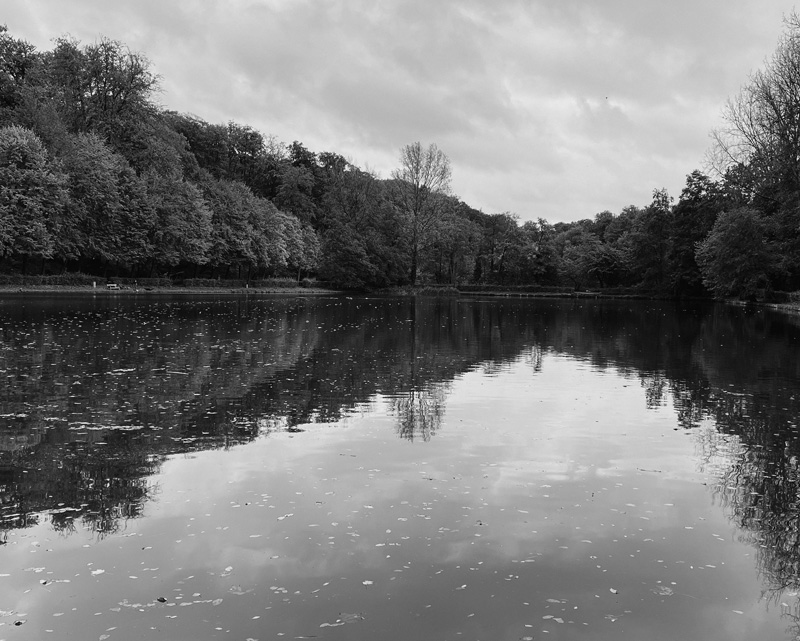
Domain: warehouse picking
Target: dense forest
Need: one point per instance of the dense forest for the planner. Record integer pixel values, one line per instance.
(97, 178)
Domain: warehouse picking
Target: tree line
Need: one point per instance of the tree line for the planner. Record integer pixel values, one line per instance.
(95, 177)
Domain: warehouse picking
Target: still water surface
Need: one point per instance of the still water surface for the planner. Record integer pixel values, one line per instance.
(362, 468)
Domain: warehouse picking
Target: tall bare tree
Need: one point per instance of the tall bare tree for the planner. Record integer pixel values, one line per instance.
(760, 140)
(420, 182)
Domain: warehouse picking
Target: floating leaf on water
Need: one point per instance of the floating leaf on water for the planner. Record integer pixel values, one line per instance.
(351, 617)
(237, 589)
(344, 617)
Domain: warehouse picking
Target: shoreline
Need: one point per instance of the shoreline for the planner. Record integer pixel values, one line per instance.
(133, 291)
(22, 290)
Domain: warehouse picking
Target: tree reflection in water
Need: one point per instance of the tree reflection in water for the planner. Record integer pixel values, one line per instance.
(759, 488)
(101, 486)
(98, 393)
(420, 411)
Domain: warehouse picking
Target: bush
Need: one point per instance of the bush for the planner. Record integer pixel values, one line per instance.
(550, 289)
(213, 282)
(277, 282)
(143, 282)
(74, 280)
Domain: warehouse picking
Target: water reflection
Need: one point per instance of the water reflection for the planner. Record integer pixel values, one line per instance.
(420, 411)
(98, 393)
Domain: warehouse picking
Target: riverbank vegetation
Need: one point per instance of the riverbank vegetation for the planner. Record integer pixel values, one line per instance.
(97, 179)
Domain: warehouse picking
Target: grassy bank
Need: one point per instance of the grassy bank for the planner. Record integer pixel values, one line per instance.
(125, 290)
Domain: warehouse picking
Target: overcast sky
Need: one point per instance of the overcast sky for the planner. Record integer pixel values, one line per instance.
(547, 108)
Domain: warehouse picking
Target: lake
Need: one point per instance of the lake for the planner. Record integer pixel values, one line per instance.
(336, 467)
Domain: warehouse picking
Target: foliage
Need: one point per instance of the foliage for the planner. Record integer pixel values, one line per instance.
(182, 233)
(109, 217)
(692, 219)
(734, 259)
(758, 148)
(72, 279)
(32, 194)
(420, 183)
(95, 177)
(275, 283)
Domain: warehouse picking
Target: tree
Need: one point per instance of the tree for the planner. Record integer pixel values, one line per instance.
(423, 176)
(182, 233)
(362, 244)
(232, 236)
(692, 219)
(302, 245)
(762, 129)
(648, 241)
(271, 230)
(501, 237)
(295, 192)
(735, 259)
(17, 58)
(541, 261)
(103, 88)
(758, 148)
(32, 193)
(207, 143)
(582, 250)
(109, 217)
(455, 244)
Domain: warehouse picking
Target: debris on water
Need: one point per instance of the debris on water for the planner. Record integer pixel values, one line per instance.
(343, 618)
(237, 589)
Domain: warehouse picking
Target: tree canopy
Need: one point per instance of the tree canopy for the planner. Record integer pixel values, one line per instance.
(96, 177)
